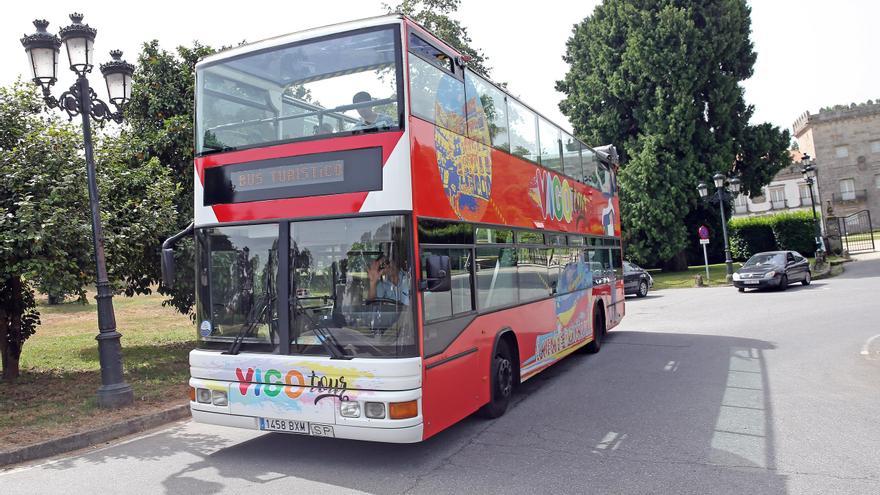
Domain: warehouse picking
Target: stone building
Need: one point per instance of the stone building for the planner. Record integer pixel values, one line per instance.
(845, 142)
(786, 192)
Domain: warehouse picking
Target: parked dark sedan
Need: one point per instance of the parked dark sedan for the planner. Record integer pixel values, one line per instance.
(773, 269)
(636, 280)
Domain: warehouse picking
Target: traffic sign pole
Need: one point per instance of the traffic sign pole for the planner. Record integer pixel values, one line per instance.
(706, 259)
(703, 232)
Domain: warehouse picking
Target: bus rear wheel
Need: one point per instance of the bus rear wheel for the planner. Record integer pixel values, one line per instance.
(502, 373)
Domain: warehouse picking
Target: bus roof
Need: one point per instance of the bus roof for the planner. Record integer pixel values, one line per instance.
(300, 35)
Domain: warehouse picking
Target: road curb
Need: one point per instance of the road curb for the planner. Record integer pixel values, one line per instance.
(830, 272)
(94, 437)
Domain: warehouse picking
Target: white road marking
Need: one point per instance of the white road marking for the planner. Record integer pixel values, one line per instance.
(612, 439)
(867, 346)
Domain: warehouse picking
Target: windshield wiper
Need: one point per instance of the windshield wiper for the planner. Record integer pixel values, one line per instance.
(258, 312)
(262, 309)
(325, 336)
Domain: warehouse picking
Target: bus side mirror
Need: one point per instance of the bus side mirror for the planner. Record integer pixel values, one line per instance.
(168, 267)
(168, 255)
(439, 278)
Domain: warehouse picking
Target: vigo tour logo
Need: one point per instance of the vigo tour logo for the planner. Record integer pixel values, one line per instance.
(293, 384)
(556, 197)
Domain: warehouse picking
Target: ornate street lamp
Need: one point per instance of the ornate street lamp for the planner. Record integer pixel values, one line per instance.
(809, 173)
(80, 99)
(721, 197)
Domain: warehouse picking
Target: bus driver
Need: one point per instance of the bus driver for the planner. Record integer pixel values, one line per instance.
(387, 281)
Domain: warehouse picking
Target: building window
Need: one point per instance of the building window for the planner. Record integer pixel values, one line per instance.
(777, 197)
(841, 151)
(805, 193)
(875, 146)
(847, 189)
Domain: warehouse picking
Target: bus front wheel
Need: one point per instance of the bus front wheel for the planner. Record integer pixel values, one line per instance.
(502, 374)
(598, 332)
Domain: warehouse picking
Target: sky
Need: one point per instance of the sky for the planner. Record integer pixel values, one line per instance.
(811, 53)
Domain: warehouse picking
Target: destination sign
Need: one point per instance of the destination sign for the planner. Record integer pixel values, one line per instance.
(316, 174)
(291, 175)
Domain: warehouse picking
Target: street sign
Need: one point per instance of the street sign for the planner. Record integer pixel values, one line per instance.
(704, 240)
(703, 231)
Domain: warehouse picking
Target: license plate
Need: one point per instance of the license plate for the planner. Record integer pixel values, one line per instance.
(298, 427)
(752, 282)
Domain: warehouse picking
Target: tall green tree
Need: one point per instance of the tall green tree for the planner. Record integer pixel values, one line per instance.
(436, 16)
(45, 227)
(160, 127)
(661, 80)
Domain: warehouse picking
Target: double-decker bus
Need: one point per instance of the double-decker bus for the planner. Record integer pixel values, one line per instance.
(386, 242)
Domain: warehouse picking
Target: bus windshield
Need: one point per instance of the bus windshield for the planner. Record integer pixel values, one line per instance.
(351, 279)
(350, 286)
(342, 84)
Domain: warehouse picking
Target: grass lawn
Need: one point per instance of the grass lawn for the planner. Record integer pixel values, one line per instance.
(679, 280)
(60, 372)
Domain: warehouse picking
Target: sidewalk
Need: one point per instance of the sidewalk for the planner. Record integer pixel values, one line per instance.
(93, 437)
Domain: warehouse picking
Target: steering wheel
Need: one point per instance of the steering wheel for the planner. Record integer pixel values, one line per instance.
(381, 300)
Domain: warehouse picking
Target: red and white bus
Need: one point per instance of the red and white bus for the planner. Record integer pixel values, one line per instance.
(386, 242)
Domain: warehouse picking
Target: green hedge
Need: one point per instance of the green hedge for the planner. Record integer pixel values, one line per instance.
(791, 231)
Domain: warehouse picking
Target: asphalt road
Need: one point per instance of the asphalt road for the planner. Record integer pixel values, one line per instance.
(699, 391)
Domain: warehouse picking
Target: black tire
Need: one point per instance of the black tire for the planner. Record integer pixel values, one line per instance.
(643, 288)
(783, 282)
(502, 373)
(807, 278)
(598, 332)
(741, 289)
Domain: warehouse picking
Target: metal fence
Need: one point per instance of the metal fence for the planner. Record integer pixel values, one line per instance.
(856, 232)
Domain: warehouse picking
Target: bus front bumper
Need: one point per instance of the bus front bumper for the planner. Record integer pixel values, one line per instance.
(410, 434)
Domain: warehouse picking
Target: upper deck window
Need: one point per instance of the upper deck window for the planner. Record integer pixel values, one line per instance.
(436, 95)
(428, 52)
(486, 112)
(523, 131)
(342, 84)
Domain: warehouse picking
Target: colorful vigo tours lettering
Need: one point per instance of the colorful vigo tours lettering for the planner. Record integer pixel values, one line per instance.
(556, 197)
(293, 384)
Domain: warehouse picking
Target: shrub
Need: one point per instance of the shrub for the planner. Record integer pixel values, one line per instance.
(750, 235)
(789, 231)
(794, 231)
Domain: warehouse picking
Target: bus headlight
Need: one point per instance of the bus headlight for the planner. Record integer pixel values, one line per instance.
(374, 410)
(203, 395)
(219, 398)
(349, 409)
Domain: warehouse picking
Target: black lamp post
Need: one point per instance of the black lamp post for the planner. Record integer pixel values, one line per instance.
(43, 49)
(809, 173)
(721, 197)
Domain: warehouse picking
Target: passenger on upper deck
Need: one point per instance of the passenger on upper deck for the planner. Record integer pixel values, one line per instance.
(370, 119)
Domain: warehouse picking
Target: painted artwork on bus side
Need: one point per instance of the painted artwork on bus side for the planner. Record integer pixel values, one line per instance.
(573, 322)
(482, 184)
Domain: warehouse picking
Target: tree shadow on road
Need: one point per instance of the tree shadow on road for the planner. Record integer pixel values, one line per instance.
(653, 412)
